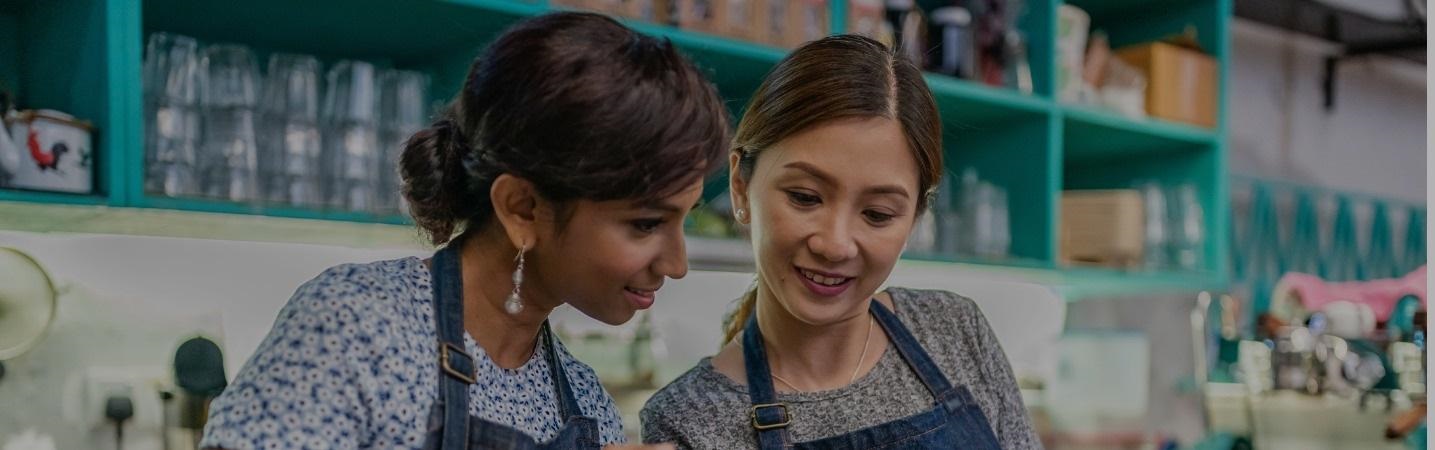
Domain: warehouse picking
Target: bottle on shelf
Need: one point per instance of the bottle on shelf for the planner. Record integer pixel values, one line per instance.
(909, 30)
(953, 41)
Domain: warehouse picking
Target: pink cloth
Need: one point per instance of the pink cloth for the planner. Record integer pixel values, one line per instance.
(1381, 295)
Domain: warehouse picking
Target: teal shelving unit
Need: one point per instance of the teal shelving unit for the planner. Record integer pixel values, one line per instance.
(85, 57)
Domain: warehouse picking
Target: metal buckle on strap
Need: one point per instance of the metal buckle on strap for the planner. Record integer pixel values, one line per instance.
(786, 418)
(445, 350)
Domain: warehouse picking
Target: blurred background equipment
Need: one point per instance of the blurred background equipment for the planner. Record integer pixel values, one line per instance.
(27, 304)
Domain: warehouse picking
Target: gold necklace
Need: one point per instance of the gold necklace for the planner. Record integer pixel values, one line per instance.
(863, 357)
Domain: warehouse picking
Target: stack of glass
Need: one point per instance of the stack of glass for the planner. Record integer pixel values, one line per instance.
(228, 158)
(171, 102)
(289, 151)
(216, 128)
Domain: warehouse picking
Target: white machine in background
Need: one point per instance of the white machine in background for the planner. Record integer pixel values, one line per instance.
(27, 309)
(27, 304)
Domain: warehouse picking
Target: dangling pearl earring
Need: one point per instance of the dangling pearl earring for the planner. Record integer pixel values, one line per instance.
(514, 304)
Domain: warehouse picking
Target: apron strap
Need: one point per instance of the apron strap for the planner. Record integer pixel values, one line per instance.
(913, 353)
(457, 367)
(769, 418)
(567, 402)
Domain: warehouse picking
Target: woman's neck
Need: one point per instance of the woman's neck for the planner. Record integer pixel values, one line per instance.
(817, 357)
(488, 265)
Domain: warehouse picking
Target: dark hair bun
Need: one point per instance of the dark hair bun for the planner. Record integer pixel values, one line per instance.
(435, 180)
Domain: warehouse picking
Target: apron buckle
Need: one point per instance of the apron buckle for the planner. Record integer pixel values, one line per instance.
(786, 418)
(446, 353)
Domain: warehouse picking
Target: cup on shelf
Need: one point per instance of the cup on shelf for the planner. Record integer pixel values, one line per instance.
(230, 91)
(171, 82)
(403, 96)
(1187, 228)
(350, 156)
(1156, 255)
(984, 218)
(290, 141)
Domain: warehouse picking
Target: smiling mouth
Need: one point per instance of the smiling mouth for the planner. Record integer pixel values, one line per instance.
(642, 292)
(824, 279)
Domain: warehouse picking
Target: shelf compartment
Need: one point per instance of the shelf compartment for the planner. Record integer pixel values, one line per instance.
(1092, 134)
(58, 56)
(1015, 156)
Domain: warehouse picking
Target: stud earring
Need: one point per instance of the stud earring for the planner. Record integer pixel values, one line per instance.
(741, 215)
(514, 304)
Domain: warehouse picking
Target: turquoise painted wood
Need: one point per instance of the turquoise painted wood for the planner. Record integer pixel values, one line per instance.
(1413, 254)
(1304, 246)
(84, 57)
(1379, 256)
(1273, 240)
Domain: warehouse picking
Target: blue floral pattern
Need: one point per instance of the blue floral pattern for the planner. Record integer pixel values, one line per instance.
(350, 363)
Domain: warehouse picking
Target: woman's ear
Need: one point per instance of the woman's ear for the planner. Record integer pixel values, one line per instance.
(737, 189)
(516, 207)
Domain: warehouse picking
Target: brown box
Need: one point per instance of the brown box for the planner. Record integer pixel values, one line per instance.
(573, 4)
(1181, 82)
(807, 20)
(610, 7)
(652, 11)
(697, 15)
(1102, 227)
(865, 17)
(769, 21)
(735, 18)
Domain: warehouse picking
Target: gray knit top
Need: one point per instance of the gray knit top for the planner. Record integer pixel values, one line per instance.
(704, 409)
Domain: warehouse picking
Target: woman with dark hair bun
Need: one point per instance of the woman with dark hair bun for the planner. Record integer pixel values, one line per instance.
(561, 174)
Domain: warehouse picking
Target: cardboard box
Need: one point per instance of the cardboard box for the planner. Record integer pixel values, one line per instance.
(572, 4)
(1181, 82)
(735, 18)
(652, 11)
(865, 18)
(807, 20)
(697, 15)
(611, 7)
(769, 21)
(1103, 227)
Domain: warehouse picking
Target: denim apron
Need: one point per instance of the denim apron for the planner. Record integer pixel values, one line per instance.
(954, 422)
(450, 426)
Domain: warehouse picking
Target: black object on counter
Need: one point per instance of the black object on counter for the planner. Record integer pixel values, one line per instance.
(199, 367)
(119, 408)
(199, 372)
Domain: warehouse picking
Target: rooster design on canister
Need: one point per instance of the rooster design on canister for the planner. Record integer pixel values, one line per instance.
(45, 161)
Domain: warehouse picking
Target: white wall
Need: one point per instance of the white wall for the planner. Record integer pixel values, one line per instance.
(1373, 141)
